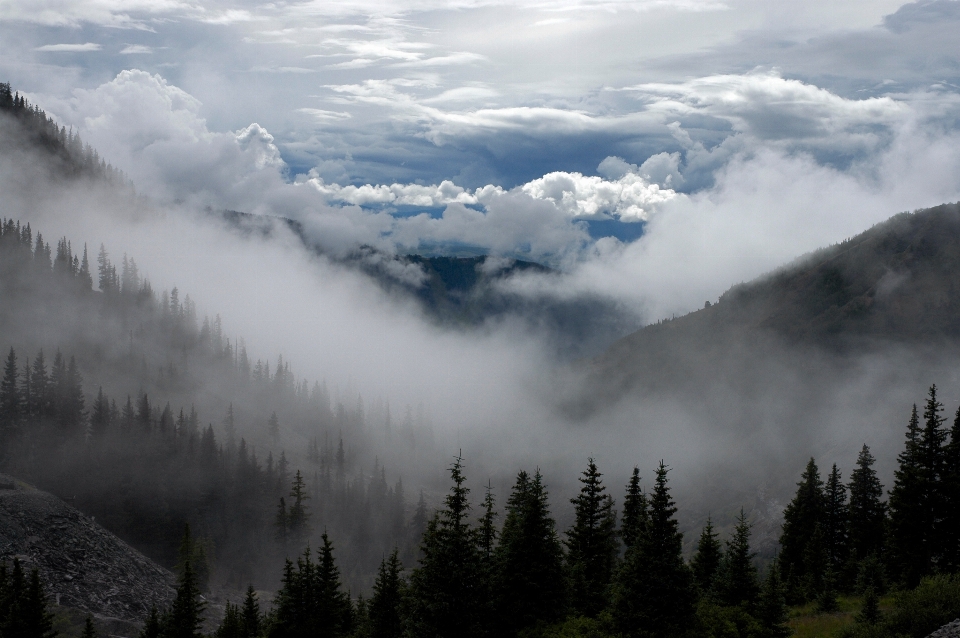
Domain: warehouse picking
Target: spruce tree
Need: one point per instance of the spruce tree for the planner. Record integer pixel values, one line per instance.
(870, 609)
(591, 544)
(153, 626)
(867, 513)
(706, 562)
(910, 527)
(89, 631)
(530, 584)
(10, 395)
(251, 615)
(653, 595)
(487, 527)
(384, 607)
(634, 522)
(739, 585)
(447, 587)
(950, 489)
(332, 603)
(184, 619)
(772, 611)
(800, 520)
(298, 518)
(835, 520)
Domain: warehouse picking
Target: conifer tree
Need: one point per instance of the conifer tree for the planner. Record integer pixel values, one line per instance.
(653, 595)
(100, 416)
(950, 487)
(184, 618)
(153, 626)
(835, 520)
(910, 525)
(447, 588)
(384, 607)
(706, 562)
(800, 520)
(298, 518)
(251, 615)
(530, 584)
(89, 631)
(866, 511)
(870, 609)
(772, 609)
(232, 624)
(487, 527)
(633, 524)
(739, 584)
(591, 544)
(10, 406)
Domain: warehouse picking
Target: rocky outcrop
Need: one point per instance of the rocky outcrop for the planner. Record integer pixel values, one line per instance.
(950, 630)
(82, 565)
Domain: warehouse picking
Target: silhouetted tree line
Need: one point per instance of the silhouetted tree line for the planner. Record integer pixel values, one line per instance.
(625, 576)
(834, 542)
(23, 604)
(77, 158)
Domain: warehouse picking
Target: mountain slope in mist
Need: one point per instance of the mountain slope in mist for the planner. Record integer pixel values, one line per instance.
(894, 285)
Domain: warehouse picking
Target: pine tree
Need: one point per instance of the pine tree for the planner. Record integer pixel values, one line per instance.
(447, 588)
(10, 406)
(251, 615)
(772, 611)
(800, 520)
(100, 416)
(487, 527)
(706, 562)
(298, 518)
(870, 610)
(529, 584)
(32, 617)
(653, 595)
(332, 609)
(739, 585)
(89, 631)
(835, 520)
(384, 607)
(634, 520)
(591, 544)
(950, 486)
(153, 626)
(185, 615)
(867, 513)
(232, 624)
(910, 526)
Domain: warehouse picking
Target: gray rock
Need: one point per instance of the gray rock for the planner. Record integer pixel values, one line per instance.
(950, 630)
(82, 565)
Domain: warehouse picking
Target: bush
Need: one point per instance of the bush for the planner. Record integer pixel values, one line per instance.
(921, 611)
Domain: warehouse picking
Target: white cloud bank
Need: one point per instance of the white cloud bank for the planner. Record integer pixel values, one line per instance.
(770, 201)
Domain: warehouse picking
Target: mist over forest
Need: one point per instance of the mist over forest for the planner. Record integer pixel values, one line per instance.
(276, 378)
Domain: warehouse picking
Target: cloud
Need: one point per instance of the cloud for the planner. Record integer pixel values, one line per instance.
(630, 198)
(136, 48)
(321, 114)
(70, 48)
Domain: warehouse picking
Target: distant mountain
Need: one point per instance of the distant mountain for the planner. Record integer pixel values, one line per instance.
(470, 291)
(894, 285)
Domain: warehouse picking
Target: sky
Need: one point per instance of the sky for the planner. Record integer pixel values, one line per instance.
(656, 151)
